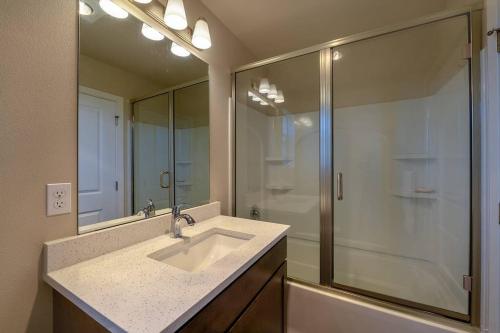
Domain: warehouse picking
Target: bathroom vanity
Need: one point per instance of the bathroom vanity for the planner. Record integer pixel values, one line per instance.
(224, 274)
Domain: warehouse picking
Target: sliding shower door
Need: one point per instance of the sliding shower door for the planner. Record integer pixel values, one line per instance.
(401, 138)
(277, 154)
(369, 150)
(151, 152)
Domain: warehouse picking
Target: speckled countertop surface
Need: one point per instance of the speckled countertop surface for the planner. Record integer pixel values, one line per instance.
(127, 291)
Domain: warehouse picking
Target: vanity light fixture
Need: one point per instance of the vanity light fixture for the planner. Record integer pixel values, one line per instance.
(264, 86)
(179, 50)
(273, 92)
(113, 9)
(279, 98)
(175, 15)
(85, 9)
(201, 35)
(143, 1)
(151, 33)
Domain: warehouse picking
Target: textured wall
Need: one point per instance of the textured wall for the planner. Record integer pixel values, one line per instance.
(38, 122)
(37, 146)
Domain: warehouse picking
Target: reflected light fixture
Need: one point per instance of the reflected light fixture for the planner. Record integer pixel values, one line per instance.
(143, 1)
(273, 93)
(113, 9)
(85, 9)
(179, 50)
(306, 121)
(264, 86)
(151, 33)
(279, 98)
(337, 55)
(175, 15)
(201, 35)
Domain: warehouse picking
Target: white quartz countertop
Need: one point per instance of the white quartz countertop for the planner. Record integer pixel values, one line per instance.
(127, 291)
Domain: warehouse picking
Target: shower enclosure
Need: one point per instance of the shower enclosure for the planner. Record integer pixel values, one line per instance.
(367, 148)
(171, 140)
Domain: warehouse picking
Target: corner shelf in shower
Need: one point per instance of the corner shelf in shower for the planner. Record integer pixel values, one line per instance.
(277, 160)
(279, 187)
(416, 195)
(183, 184)
(413, 157)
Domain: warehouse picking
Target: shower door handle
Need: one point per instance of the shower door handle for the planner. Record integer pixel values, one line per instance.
(340, 187)
(162, 179)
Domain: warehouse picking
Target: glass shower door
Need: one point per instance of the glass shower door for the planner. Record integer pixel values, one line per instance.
(277, 154)
(192, 145)
(402, 166)
(151, 152)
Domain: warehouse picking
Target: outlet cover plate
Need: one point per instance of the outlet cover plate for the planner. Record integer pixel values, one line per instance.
(58, 199)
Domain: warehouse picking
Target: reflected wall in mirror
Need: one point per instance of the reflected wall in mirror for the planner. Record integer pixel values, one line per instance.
(142, 123)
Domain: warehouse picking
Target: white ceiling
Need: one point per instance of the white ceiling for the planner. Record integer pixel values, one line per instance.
(272, 27)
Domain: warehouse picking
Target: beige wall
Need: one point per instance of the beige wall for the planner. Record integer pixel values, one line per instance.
(37, 146)
(227, 52)
(38, 85)
(98, 75)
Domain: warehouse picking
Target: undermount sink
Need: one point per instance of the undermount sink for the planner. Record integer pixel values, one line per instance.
(201, 251)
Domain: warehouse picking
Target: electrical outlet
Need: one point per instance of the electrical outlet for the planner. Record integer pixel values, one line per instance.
(58, 199)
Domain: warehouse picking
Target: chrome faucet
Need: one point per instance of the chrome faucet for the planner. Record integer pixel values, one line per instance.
(149, 210)
(175, 222)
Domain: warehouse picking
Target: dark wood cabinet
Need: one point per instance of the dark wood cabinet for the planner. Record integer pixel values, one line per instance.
(266, 313)
(236, 307)
(254, 302)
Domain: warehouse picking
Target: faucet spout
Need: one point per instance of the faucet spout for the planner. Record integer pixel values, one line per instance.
(175, 221)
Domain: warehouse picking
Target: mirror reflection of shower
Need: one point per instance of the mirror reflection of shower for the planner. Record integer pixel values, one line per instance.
(136, 100)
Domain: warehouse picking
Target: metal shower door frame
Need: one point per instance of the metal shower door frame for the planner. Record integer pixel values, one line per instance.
(473, 15)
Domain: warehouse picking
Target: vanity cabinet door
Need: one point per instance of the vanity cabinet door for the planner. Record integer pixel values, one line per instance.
(266, 313)
(220, 314)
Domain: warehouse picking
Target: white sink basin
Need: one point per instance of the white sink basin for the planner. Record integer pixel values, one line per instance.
(201, 251)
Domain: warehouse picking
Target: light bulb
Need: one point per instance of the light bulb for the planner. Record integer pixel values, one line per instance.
(201, 35)
(113, 9)
(262, 102)
(273, 93)
(175, 15)
(279, 98)
(264, 86)
(151, 33)
(143, 1)
(179, 50)
(85, 9)
(250, 94)
(255, 98)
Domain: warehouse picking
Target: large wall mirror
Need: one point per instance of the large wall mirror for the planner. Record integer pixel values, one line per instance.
(143, 131)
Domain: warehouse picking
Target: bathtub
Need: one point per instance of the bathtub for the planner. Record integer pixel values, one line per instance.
(317, 310)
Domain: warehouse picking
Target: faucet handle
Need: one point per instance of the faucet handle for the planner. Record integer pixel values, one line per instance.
(176, 210)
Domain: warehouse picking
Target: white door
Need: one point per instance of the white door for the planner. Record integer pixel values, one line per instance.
(98, 196)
